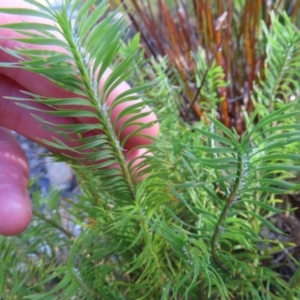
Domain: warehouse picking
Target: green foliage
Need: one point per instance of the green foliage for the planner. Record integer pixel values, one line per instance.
(281, 78)
(193, 228)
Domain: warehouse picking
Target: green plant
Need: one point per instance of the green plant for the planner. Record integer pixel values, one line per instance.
(193, 229)
(229, 33)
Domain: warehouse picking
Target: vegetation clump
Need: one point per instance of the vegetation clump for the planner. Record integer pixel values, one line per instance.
(224, 81)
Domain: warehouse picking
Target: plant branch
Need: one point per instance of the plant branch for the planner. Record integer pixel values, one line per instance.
(204, 77)
(101, 110)
(54, 224)
(229, 202)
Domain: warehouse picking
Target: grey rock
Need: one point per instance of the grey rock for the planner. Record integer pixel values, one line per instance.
(59, 173)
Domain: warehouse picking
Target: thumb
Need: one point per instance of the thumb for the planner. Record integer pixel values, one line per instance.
(15, 204)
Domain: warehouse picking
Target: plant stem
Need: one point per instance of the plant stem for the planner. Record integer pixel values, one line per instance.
(93, 96)
(229, 202)
(54, 224)
(204, 78)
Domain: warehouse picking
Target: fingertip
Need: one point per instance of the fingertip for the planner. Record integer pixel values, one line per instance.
(144, 136)
(136, 159)
(15, 204)
(15, 213)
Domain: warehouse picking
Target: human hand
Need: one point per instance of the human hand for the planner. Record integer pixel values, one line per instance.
(15, 204)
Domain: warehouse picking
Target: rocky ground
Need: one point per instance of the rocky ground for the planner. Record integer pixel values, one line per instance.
(48, 174)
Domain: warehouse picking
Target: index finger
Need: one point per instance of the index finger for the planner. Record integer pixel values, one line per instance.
(42, 86)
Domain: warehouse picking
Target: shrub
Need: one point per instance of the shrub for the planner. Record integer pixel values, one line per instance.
(198, 226)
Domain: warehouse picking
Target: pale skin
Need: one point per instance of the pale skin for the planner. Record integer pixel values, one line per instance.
(15, 204)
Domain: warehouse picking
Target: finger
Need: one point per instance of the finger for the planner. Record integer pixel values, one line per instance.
(41, 86)
(15, 205)
(14, 117)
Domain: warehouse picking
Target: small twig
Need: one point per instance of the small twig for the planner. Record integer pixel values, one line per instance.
(204, 77)
(54, 224)
(137, 27)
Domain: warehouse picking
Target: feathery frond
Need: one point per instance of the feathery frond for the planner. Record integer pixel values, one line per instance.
(85, 49)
